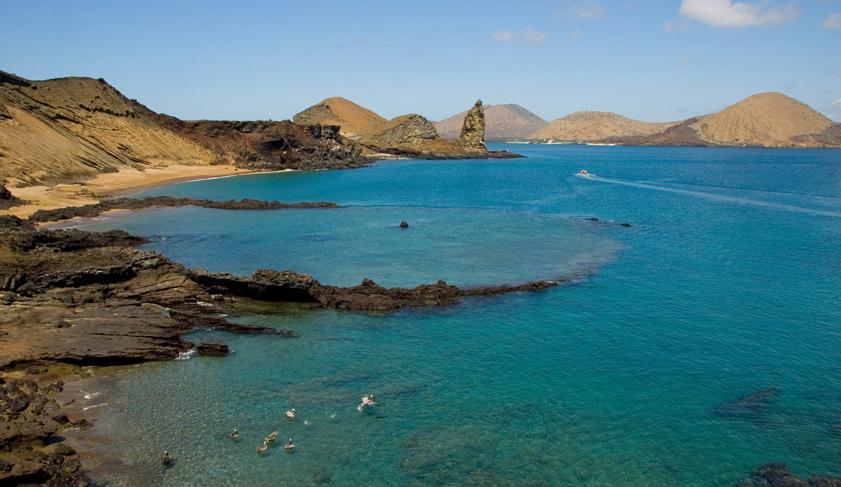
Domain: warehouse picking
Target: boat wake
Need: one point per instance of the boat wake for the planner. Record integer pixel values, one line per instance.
(717, 197)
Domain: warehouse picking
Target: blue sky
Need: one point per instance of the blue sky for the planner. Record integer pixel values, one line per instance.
(652, 60)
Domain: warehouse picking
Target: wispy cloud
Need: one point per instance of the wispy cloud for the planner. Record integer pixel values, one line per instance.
(832, 21)
(836, 104)
(726, 13)
(585, 9)
(526, 36)
(674, 26)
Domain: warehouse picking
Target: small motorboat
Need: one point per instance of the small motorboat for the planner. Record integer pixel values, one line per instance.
(272, 437)
(584, 173)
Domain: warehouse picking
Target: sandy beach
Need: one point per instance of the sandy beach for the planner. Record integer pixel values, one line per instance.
(111, 184)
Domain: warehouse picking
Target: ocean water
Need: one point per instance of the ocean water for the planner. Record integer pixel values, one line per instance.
(728, 283)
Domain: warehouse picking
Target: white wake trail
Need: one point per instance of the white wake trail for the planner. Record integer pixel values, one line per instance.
(719, 197)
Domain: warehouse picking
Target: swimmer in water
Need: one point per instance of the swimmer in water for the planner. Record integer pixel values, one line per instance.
(367, 400)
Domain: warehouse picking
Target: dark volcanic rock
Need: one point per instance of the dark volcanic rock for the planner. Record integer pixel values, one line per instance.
(287, 286)
(271, 145)
(473, 130)
(403, 224)
(89, 298)
(778, 475)
(210, 349)
(92, 210)
(24, 431)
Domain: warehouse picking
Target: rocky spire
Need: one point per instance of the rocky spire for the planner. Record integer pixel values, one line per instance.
(473, 130)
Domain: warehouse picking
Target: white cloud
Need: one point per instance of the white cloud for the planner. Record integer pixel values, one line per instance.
(832, 21)
(527, 36)
(836, 104)
(585, 9)
(726, 13)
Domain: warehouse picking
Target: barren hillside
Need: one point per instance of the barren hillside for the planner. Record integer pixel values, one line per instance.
(596, 126)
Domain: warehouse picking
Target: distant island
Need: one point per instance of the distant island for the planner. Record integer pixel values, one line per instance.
(762, 120)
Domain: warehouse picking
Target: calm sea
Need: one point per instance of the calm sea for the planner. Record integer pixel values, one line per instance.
(692, 347)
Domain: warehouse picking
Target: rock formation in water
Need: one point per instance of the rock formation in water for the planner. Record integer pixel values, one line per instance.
(473, 129)
(502, 122)
(96, 209)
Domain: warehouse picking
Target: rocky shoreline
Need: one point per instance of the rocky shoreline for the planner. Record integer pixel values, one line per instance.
(96, 209)
(92, 299)
(31, 448)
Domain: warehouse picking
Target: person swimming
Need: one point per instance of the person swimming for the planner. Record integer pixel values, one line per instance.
(367, 400)
(289, 446)
(166, 458)
(291, 414)
(234, 435)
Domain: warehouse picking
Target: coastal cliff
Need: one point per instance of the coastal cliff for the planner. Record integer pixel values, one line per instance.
(71, 129)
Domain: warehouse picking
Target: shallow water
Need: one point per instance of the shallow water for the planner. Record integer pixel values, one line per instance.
(728, 282)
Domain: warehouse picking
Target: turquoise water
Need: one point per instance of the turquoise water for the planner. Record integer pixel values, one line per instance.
(728, 282)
